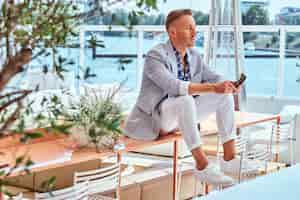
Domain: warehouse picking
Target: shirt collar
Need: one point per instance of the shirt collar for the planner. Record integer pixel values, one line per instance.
(177, 54)
(187, 55)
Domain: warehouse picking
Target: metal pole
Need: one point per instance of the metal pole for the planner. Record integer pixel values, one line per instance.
(239, 52)
(209, 49)
(139, 63)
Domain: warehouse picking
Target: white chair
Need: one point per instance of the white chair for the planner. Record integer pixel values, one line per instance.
(76, 192)
(241, 142)
(257, 158)
(285, 144)
(102, 179)
(295, 139)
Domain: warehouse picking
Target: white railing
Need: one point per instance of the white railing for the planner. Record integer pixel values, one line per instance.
(141, 29)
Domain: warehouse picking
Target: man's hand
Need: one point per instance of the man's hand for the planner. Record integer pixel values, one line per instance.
(238, 89)
(226, 87)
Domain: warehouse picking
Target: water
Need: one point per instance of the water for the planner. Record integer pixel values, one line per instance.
(262, 73)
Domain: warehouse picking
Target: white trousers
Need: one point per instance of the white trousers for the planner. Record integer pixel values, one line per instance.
(184, 113)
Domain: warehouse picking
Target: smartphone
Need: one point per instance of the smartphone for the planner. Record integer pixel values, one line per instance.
(240, 81)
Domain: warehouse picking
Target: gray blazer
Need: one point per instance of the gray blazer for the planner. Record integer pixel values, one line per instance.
(159, 81)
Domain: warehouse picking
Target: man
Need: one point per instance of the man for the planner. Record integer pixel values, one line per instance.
(178, 90)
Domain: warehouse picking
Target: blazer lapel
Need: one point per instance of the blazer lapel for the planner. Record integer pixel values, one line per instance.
(191, 63)
(172, 63)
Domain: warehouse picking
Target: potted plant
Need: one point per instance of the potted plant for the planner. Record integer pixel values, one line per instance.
(96, 118)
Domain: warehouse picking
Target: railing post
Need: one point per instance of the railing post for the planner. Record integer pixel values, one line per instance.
(139, 63)
(280, 81)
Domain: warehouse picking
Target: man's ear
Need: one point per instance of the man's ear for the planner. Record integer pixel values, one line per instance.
(172, 31)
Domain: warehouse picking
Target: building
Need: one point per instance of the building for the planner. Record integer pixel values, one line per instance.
(288, 16)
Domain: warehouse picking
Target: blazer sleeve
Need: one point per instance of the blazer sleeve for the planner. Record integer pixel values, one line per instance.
(155, 69)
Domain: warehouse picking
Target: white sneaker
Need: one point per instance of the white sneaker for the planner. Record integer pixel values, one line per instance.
(233, 166)
(212, 175)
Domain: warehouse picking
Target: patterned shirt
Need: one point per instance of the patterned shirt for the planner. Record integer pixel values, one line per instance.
(183, 72)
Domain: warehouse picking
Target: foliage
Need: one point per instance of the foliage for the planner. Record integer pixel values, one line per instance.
(32, 29)
(121, 16)
(256, 15)
(200, 18)
(22, 161)
(97, 116)
(28, 30)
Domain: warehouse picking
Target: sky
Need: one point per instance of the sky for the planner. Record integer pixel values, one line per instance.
(204, 5)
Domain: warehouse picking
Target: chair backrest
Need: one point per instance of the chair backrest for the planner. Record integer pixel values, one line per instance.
(265, 153)
(241, 142)
(295, 138)
(76, 192)
(100, 179)
(257, 158)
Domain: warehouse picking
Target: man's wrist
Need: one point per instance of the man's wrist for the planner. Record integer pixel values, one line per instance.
(213, 87)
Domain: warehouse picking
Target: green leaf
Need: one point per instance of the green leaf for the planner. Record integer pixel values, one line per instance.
(24, 138)
(2, 173)
(29, 163)
(9, 194)
(21, 33)
(48, 185)
(64, 128)
(61, 59)
(34, 135)
(92, 132)
(19, 160)
(40, 117)
(88, 74)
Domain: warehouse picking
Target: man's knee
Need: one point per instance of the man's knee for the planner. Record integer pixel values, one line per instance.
(227, 100)
(186, 101)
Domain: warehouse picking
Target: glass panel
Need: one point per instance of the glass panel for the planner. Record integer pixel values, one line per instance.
(199, 45)
(118, 12)
(40, 72)
(153, 38)
(286, 11)
(262, 12)
(225, 55)
(222, 54)
(255, 12)
(261, 62)
(106, 62)
(292, 65)
(154, 17)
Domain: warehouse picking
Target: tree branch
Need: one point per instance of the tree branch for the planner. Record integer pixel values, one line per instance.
(14, 66)
(14, 93)
(10, 120)
(15, 100)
